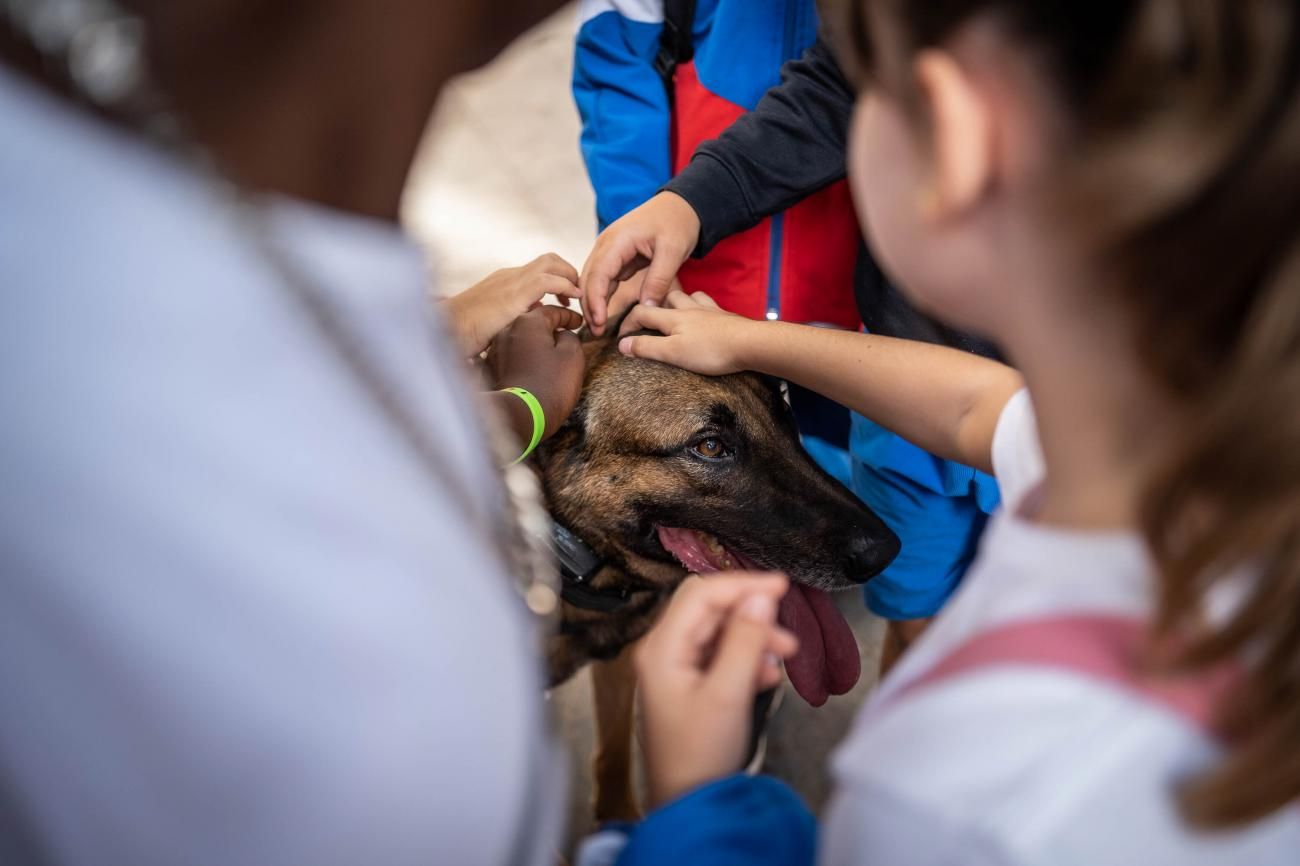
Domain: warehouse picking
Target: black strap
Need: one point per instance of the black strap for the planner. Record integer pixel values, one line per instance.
(675, 44)
(578, 565)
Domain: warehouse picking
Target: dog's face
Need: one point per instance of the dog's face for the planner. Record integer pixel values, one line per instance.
(662, 471)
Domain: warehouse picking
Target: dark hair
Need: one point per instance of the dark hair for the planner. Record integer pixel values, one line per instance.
(1186, 136)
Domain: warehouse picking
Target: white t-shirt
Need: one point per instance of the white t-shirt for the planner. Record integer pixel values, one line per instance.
(1030, 766)
(239, 623)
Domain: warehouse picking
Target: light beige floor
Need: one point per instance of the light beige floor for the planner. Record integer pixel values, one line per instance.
(499, 181)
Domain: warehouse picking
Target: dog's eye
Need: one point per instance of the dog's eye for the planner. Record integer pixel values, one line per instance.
(710, 449)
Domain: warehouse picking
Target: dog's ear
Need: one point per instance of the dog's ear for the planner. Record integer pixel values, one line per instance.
(611, 329)
(594, 347)
(611, 332)
(618, 323)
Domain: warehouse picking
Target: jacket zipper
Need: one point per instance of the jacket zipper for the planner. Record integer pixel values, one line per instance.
(777, 235)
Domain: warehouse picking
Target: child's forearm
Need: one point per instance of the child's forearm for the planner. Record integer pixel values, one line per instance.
(943, 400)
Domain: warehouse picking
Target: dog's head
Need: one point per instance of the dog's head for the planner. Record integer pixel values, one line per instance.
(663, 471)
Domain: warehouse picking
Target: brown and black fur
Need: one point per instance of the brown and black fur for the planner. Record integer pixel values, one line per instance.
(623, 465)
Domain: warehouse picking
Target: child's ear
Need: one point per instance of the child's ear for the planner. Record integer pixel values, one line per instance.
(961, 133)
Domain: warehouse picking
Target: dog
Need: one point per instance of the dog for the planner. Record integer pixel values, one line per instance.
(660, 472)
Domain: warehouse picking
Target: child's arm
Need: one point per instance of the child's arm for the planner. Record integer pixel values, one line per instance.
(789, 147)
(539, 353)
(944, 400)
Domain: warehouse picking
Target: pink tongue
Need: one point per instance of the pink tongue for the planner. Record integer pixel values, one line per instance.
(685, 544)
(827, 662)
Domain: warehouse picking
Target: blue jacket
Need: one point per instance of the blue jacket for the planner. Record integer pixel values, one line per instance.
(740, 46)
(796, 264)
(739, 820)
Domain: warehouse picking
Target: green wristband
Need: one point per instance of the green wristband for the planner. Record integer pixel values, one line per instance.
(539, 419)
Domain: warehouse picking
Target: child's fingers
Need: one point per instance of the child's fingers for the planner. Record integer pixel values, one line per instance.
(643, 318)
(610, 258)
(594, 290)
(560, 318)
(561, 287)
(550, 263)
(782, 644)
(770, 675)
(743, 648)
(697, 608)
(650, 348)
(679, 300)
(659, 278)
(623, 298)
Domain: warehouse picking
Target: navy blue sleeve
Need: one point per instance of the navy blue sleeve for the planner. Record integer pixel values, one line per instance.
(624, 109)
(790, 146)
(749, 820)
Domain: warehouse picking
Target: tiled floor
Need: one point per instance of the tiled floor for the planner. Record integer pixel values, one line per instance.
(500, 181)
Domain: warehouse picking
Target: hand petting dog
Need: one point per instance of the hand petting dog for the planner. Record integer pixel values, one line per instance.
(539, 352)
(656, 237)
(697, 334)
(480, 312)
(716, 646)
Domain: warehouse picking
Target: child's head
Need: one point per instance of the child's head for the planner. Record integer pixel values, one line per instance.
(1142, 157)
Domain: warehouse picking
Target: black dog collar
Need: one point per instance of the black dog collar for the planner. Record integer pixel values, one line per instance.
(578, 564)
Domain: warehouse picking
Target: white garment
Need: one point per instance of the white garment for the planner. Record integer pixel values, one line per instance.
(239, 624)
(1029, 766)
(644, 11)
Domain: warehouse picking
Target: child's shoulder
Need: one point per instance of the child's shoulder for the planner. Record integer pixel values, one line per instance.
(1048, 766)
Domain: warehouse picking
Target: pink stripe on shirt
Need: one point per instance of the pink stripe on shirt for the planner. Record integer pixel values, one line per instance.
(1102, 647)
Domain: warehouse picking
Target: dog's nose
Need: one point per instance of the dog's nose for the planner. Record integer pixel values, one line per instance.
(866, 556)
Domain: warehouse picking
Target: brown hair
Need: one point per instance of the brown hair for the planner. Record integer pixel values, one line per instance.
(1186, 137)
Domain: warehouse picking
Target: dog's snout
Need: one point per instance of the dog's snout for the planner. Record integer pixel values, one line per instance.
(865, 556)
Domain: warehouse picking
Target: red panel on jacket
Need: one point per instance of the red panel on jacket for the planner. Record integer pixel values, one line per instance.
(819, 238)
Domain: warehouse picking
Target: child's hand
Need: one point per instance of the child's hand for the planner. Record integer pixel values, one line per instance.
(698, 670)
(480, 312)
(698, 335)
(539, 353)
(659, 235)
(628, 295)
